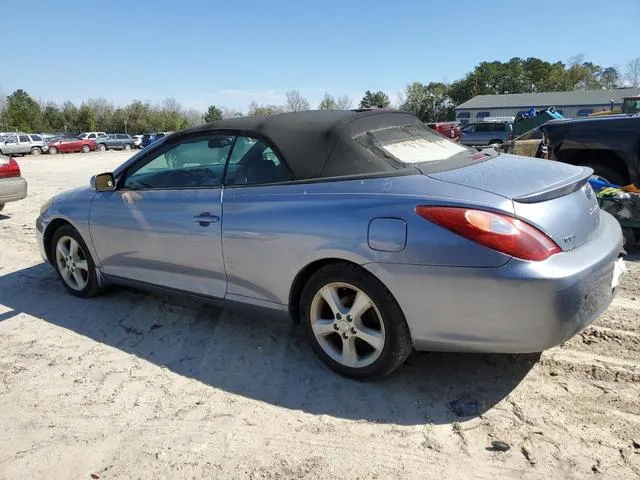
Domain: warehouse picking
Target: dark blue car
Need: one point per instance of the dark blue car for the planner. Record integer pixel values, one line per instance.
(149, 138)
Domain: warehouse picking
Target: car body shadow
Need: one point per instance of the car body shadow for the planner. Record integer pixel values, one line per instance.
(230, 351)
(4, 217)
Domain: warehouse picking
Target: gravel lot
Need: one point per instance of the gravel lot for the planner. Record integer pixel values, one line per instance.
(130, 385)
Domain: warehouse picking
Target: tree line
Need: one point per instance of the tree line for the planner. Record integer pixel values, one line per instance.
(432, 101)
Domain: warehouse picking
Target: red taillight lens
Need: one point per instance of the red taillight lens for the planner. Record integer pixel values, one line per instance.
(493, 230)
(10, 170)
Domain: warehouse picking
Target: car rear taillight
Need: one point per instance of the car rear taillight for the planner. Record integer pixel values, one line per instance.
(10, 170)
(493, 230)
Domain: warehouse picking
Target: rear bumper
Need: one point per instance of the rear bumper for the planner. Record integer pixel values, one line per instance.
(519, 307)
(12, 189)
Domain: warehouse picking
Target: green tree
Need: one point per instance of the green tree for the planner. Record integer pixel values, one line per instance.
(213, 114)
(103, 110)
(23, 112)
(86, 118)
(429, 102)
(71, 117)
(52, 118)
(609, 78)
(327, 103)
(377, 99)
(137, 115)
(255, 109)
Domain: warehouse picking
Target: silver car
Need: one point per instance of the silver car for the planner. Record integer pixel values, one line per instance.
(12, 186)
(22, 143)
(372, 231)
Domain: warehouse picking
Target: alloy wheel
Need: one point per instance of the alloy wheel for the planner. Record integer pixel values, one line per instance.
(72, 263)
(347, 325)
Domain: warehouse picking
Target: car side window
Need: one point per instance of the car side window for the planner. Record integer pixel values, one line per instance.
(12, 139)
(92, 136)
(24, 138)
(36, 138)
(469, 128)
(253, 162)
(192, 163)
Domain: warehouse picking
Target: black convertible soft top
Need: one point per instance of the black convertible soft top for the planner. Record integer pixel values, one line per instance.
(318, 143)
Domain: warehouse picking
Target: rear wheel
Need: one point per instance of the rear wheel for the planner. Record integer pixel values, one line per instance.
(73, 263)
(353, 322)
(102, 147)
(127, 147)
(53, 150)
(86, 149)
(36, 151)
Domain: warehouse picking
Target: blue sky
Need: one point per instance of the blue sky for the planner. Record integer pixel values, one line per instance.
(228, 53)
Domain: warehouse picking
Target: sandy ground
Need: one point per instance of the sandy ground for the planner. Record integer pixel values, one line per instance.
(130, 385)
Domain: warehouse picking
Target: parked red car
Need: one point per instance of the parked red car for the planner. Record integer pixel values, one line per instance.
(70, 144)
(450, 130)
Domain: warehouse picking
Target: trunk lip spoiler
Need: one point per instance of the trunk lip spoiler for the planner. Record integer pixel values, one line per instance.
(559, 189)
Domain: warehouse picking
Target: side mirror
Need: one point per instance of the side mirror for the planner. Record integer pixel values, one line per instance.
(103, 182)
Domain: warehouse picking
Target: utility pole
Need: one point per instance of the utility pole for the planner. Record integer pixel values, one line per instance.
(125, 125)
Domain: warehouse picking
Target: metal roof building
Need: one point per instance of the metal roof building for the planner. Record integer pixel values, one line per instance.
(578, 103)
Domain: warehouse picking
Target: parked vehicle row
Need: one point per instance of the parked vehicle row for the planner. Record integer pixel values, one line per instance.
(28, 143)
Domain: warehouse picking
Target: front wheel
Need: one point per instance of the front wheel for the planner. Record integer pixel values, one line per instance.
(36, 151)
(353, 322)
(86, 149)
(102, 147)
(53, 150)
(73, 263)
(127, 147)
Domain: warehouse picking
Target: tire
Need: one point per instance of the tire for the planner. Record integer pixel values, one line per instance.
(53, 150)
(127, 147)
(36, 151)
(64, 239)
(86, 148)
(608, 173)
(102, 147)
(338, 338)
(2, 206)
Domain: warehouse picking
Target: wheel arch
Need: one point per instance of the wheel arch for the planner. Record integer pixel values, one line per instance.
(51, 229)
(303, 276)
(604, 157)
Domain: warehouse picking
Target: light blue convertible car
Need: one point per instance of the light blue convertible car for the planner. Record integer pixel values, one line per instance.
(375, 233)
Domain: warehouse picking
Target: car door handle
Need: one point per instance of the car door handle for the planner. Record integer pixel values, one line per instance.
(205, 219)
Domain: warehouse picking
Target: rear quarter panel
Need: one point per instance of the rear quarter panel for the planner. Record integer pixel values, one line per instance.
(270, 233)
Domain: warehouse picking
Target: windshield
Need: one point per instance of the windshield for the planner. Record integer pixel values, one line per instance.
(418, 146)
(82, 136)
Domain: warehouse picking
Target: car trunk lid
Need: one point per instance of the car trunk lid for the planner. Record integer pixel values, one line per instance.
(554, 197)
